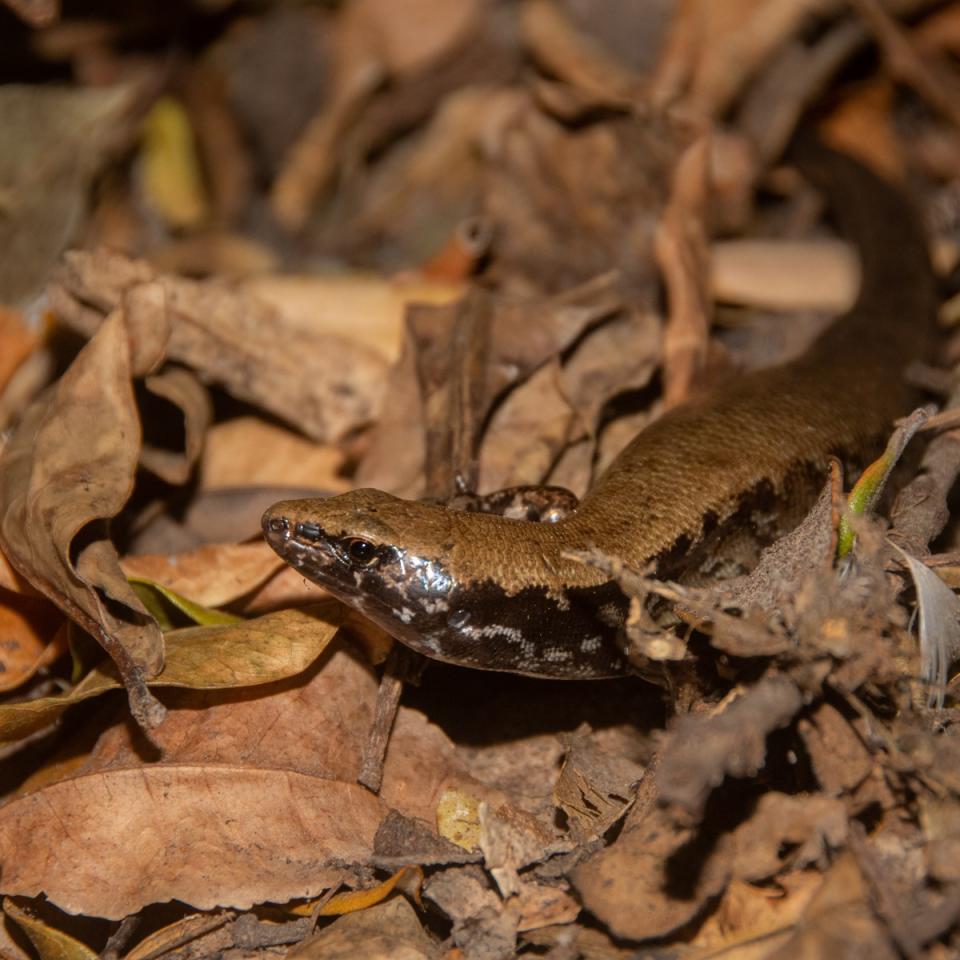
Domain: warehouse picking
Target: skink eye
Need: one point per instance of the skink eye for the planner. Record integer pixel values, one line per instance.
(360, 551)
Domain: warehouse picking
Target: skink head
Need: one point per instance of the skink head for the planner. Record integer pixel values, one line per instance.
(381, 555)
(440, 581)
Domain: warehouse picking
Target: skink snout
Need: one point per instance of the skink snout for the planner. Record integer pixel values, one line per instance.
(275, 526)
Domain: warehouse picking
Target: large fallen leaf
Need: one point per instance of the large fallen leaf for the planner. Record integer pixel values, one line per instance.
(71, 463)
(250, 653)
(110, 842)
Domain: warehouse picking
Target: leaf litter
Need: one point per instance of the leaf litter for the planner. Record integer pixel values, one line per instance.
(494, 253)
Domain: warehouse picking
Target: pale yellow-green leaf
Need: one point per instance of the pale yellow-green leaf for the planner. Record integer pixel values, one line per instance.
(252, 652)
(147, 591)
(50, 943)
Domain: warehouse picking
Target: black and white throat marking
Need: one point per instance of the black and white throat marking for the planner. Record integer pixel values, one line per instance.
(417, 600)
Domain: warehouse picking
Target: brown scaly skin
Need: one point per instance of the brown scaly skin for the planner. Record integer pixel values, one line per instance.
(698, 492)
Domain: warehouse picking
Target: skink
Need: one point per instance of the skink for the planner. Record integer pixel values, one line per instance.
(700, 491)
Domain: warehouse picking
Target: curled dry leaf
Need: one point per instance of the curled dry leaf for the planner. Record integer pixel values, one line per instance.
(524, 334)
(373, 41)
(325, 386)
(364, 307)
(182, 389)
(71, 463)
(605, 221)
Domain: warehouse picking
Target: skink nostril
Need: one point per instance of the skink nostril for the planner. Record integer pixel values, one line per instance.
(308, 531)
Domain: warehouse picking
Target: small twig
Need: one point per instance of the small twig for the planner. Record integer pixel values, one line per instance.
(120, 939)
(402, 664)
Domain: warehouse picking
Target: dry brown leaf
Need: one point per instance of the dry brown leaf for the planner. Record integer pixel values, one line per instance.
(511, 839)
(374, 40)
(288, 588)
(16, 342)
(325, 386)
(526, 433)
(410, 39)
(64, 470)
(248, 451)
(555, 227)
(109, 842)
(217, 748)
(787, 831)
(576, 57)
(541, 905)
(388, 931)
(839, 758)
(38, 13)
(29, 638)
(754, 920)
(714, 48)
(839, 921)
(862, 125)
(595, 789)
(636, 887)
(212, 576)
(362, 307)
(481, 925)
(524, 335)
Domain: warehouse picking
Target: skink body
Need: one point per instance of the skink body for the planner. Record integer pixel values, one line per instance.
(703, 488)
